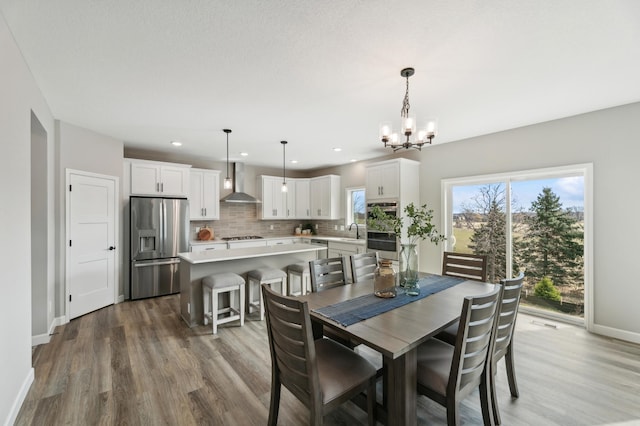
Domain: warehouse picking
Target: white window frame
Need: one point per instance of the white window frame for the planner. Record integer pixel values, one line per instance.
(585, 170)
(348, 203)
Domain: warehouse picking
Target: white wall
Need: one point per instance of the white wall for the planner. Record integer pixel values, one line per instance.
(19, 96)
(609, 140)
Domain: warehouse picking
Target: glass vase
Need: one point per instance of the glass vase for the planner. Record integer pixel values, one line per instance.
(384, 280)
(409, 269)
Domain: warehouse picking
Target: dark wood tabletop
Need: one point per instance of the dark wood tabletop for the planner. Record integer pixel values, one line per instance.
(396, 334)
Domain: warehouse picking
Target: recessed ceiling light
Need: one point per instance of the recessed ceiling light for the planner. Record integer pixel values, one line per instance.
(337, 149)
(176, 143)
(244, 154)
(353, 160)
(294, 161)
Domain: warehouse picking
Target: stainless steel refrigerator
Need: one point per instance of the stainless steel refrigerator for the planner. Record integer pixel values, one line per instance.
(159, 231)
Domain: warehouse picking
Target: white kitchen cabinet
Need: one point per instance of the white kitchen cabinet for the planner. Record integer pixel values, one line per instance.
(274, 202)
(236, 244)
(392, 180)
(382, 181)
(222, 245)
(301, 204)
(164, 179)
(338, 249)
(204, 196)
(282, 241)
(325, 197)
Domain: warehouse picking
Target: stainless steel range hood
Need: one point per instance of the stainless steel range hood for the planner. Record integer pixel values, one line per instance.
(238, 195)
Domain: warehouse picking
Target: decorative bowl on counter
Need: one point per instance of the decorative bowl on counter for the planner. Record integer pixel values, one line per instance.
(205, 234)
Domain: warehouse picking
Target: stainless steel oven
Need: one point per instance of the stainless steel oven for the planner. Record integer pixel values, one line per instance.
(385, 243)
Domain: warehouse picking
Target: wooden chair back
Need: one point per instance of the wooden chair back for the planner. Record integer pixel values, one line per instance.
(363, 265)
(508, 314)
(462, 265)
(291, 344)
(474, 343)
(327, 273)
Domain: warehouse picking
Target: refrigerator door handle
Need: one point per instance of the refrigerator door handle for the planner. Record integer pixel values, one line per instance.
(166, 262)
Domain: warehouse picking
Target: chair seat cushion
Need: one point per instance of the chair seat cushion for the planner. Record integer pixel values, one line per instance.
(299, 267)
(434, 365)
(264, 274)
(449, 334)
(225, 279)
(340, 369)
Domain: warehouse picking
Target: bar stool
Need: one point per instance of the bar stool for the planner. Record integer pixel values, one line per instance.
(215, 284)
(255, 279)
(301, 271)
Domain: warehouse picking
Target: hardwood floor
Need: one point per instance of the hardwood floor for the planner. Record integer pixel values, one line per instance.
(138, 363)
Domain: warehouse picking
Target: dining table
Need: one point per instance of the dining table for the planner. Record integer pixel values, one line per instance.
(396, 335)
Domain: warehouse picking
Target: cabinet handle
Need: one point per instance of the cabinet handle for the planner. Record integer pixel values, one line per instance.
(205, 211)
(162, 187)
(157, 187)
(308, 214)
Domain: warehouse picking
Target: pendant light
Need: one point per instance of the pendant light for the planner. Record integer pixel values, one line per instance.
(412, 139)
(227, 181)
(284, 175)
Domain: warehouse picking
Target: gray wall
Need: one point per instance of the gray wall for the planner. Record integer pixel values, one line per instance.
(19, 97)
(88, 151)
(609, 140)
(41, 309)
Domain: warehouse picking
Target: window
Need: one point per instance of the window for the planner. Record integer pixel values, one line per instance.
(355, 206)
(535, 221)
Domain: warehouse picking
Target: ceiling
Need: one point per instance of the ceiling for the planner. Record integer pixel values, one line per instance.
(321, 74)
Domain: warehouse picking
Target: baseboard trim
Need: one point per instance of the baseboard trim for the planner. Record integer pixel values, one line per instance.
(20, 397)
(120, 298)
(627, 336)
(43, 339)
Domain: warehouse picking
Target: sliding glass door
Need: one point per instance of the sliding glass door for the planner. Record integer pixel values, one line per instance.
(531, 221)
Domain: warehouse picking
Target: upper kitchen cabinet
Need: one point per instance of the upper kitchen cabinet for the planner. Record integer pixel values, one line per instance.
(274, 201)
(159, 179)
(204, 196)
(301, 202)
(325, 201)
(392, 180)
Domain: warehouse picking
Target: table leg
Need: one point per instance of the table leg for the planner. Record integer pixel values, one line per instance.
(401, 391)
(316, 329)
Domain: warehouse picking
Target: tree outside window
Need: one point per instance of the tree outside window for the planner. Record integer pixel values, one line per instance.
(356, 211)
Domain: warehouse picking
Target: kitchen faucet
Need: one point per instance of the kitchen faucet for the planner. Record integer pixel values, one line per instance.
(357, 230)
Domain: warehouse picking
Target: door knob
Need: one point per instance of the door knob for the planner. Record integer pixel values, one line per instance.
(112, 248)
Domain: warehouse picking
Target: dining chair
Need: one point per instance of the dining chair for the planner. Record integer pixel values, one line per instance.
(503, 347)
(328, 273)
(325, 274)
(322, 374)
(363, 265)
(463, 265)
(446, 373)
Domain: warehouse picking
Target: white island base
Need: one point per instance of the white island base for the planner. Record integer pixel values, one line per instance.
(196, 265)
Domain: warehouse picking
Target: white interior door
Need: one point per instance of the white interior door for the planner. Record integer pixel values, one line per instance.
(91, 242)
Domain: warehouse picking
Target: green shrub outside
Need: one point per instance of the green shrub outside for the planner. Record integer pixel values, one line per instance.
(545, 289)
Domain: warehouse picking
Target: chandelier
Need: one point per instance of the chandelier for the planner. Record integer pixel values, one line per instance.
(408, 137)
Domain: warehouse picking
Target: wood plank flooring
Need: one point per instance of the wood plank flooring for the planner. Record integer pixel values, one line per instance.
(137, 363)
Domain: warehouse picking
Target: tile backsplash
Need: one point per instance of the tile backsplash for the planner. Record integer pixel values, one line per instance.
(237, 219)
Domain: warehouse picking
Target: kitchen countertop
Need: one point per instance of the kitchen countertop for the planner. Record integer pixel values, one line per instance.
(360, 241)
(195, 258)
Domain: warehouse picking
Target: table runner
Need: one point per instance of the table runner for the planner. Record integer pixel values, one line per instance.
(361, 308)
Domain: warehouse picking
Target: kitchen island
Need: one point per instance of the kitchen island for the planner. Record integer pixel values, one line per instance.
(196, 265)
